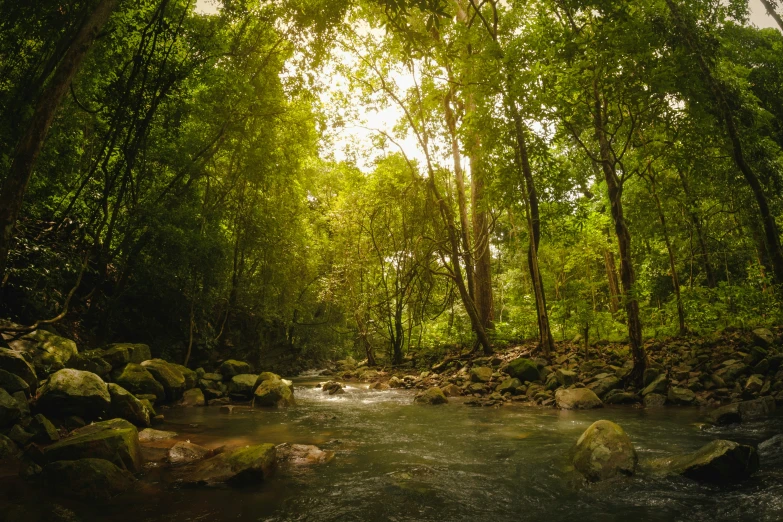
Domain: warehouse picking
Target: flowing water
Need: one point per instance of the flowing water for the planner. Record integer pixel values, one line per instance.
(399, 461)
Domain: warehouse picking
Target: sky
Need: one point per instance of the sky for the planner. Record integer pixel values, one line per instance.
(360, 134)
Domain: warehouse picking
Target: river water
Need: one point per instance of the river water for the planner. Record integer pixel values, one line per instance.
(398, 461)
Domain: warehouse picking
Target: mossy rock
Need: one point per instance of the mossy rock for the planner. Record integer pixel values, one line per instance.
(8, 449)
(577, 399)
(117, 355)
(193, 397)
(137, 380)
(659, 385)
(91, 361)
(12, 383)
(9, 409)
(137, 353)
(43, 430)
(74, 392)
(524, 369)
(126, 406)
(267, 376)
(432, 397)
(510, 385)
(13, 362)
(47, 351)
(115, 440)
(480, 374)
(243, 466)
(87, 479)
(274, 393)
(233, 367)
(604, 451)
(242, 386)
(190, 376)
(168, 376)
(718, 462)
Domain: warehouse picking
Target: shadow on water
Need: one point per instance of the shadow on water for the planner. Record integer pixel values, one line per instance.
(398, 461)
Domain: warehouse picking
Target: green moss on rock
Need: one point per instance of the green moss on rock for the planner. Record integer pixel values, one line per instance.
(114, 440)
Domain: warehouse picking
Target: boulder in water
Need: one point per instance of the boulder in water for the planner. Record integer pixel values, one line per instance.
(239, 467)
(193, 397)
(168, 376)
(74, 392)
(524, 370)
(332, 388)
(114, 440)
(742, 411)
(126, 406)
(87, 479)
(719, 462)
(432, 396)
(274, 393)
(241, 386)
(302, 454)
(152, 435)
(185, 452)
(577, 399)
(137, 380)
(771, 450)
(604, 451)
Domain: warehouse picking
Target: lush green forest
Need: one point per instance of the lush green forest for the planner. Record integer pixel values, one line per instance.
(387, 178)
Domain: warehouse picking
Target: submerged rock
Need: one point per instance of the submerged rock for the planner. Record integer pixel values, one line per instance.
(137, 380)
(193, 397)
(433, 396)
(126, 406)
(87, 479)
(239, 467)
(524, 370)
(771, 450)
(302, 454)
(720, 461)
(151, 435)
(604, 451)
(577, 399)
(74, 392)
(185, 452)
(115, 440)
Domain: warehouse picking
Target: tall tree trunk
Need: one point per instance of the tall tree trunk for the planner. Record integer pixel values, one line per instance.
(482, 277)
(773, 13)
(771, 233)
(627, 276)
(672, 259)
(29, 145)
(697, 224)
(614, 285)
(546, 340)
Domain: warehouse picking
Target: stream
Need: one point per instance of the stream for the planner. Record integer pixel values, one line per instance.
(398, 461)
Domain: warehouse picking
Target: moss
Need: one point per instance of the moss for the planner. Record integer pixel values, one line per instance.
(114, 440)
(126, 406)
(168, 376)
(433, 396)
(273, 393)
(137, 380)
(239, 467)
(233, 367)
(524, 370)
(74, 392)
(87, 479)
(604, 451)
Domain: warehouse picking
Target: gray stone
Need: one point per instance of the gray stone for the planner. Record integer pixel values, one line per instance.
(577, 399)
(604, 451)
(74, 392)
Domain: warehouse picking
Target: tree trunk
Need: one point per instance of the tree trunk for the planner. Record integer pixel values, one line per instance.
(29, 145)
(614, 285)
(773, 13)
(546, 340)
(767, 218)
(482, 277)
(627, 276)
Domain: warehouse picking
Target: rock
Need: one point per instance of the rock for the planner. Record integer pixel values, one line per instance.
(137, 353)
(659, 385)
(74, 392)
(565, 377)
(763, 337)
(43, 430)
(168, 376)
(186, 452)
(396, 382)
(47, 351)
(90, 362)
(117, 355)
(9, 409)
(604, 451)
(720, 462)
(302, 455)
(12, 383)
(621, 397)
(654, 400)
(148, 405)
(378, 386)
(753, 386)
(452, 390)
(681, 396)
(151, 435)
(190, 376)
(239, 467)
(241, 386)
(115, 440)
(649, 376)
(432, 396)
(232, 367)
(21, 400)
(21, 436)
(762, 367)
(274, 393)
(8, 450)
(603, 386)
(193, 397)
(524, 369)
(87, 479)
(742, 411)
(126, 406)
(771, 450)
(13, 362)
(577, 399)
(332, 388)
(481, 374)
(138, 381)
(509, 385)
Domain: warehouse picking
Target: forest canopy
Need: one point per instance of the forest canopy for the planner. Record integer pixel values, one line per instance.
(386, 178)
